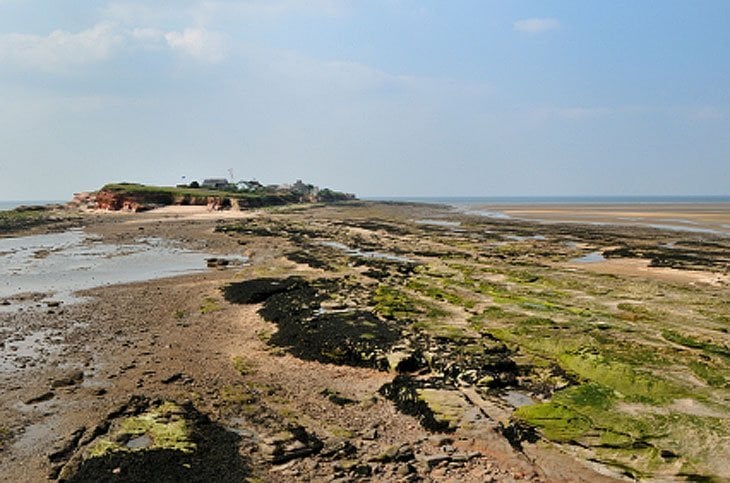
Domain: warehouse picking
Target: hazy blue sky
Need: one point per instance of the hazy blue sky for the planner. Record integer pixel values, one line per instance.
(378, 97)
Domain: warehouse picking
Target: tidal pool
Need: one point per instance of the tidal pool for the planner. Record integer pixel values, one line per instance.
(445, 223)
(592, 257)
(51, 268)
(356, 252)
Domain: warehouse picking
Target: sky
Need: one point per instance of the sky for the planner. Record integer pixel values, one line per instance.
(375, 97)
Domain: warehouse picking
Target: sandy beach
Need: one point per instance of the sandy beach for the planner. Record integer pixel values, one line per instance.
(698, 217)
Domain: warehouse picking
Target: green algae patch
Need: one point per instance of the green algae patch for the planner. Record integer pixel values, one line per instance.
(209, 305)
(693, 343)
(429, 288)
(622, 378)
(638, 439)
(394, 304)
(165, 427)
(448, 407)
(556, 421)
(243, 365)
(153, 440)
(568, 416)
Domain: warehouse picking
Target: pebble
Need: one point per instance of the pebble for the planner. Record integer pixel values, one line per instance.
(405, 470)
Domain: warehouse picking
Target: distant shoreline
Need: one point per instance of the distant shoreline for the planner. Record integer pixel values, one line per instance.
(556, 200)
(12, 204)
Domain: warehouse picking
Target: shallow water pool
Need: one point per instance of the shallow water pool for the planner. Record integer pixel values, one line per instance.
(58, 264)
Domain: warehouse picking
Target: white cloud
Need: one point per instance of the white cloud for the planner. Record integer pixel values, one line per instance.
(147, 35)
(536, 25)
(198, 43)
(61, 48)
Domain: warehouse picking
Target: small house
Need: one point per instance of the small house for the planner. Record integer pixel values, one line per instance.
(215, 183)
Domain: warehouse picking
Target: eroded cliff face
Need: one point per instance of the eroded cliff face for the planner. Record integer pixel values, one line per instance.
(137, 202)
(136, 199)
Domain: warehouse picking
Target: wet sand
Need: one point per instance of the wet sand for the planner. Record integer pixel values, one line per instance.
(697, 217)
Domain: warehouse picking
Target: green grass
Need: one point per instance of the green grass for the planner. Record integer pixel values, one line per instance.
(134, 188)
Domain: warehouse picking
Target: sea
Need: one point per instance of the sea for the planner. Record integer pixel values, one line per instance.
(547, 200)
(9, 205)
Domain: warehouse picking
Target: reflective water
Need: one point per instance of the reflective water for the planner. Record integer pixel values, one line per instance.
(428, 221)
(356, 252)
(59, 264)
(590, 258)
(523, 238)
(517, 399)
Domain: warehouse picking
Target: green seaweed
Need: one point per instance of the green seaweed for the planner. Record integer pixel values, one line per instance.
(687, 341)
(165, 426)
(394, 304)
(243, 366)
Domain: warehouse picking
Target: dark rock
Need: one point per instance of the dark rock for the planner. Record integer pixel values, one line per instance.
(460, 457)
(172, 378)
(257, 291)
(46, 396)
(336, 398)
(292, 444)
(338, 449)
(216, 456)
(70, 379)
(405, 453)
(67, 448)
(668, 454)
(517, 432)
(402, 453)
(363, 470)
(403, 391)
(356, 338)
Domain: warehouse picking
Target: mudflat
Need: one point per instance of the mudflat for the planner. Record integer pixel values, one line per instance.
(699, 217)
(378, 341)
